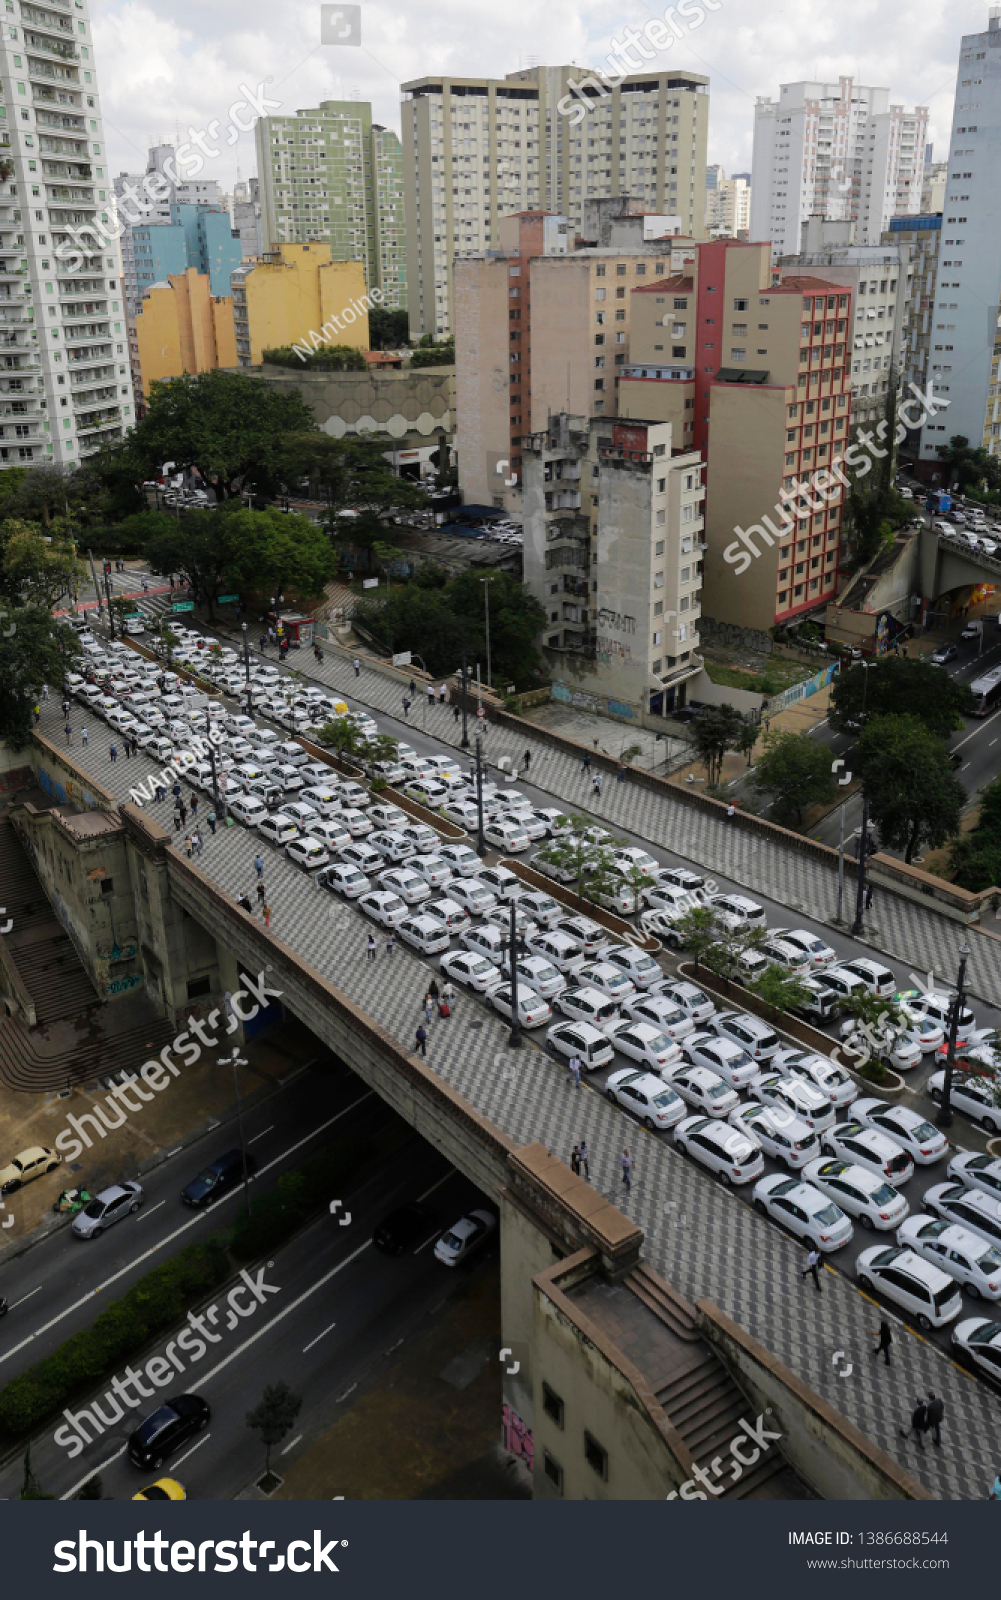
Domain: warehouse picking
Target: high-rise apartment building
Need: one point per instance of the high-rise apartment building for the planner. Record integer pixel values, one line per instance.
(613, 551)
(965, 346)
(762, 371)
(333, 175)
(246, 215)
(933, 187)
(200, 237)
(921, 237)
(65, 386)
(542, 328)
(835, 150)
(184, 328)
(878, 277)
(541, 139)
(728, 209)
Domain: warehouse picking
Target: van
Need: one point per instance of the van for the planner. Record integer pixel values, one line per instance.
(911, 1282)
(265, 790)
(248, 809)
(844, 985)
(291, 753)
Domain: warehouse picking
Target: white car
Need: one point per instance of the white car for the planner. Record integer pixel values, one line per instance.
(501, 917)
(976, 1171)
(465, 1237)
(631, 859)
(820, 954)
(391, 844)
(939, 1008)
(683, 878)
(486, 940)
(424, 934)
(526, 822)
(277, 830)
(463, 813)
(804, 1210)
(969, 1207)
(387, 816)
(580, 1039)
(344, 879)
(384, 907)
(410, 886)
(330, 832)
(753, 1035)
(558, 947)
(973, 1096)
(501, 881)
(354, 794)
(737, 911)
(248, 810)
(663, 1012)
(590, 935)
(472, 895)
(923, 1143)
(427, 841)
(323, 799)
(729, 1061)
(602, 975)
(300, 812)
(879, 980)
(798, 1097)
(448, 912)
(473, 971)
(980, 1340)
(910, 1281)
(307, 853)
(692, 1001)
(854, 1142)
(656, 1106)
(704, 1090)
(780, 1136)
(642, 1042)
(889, 1045)
(876, 1203)
(533, 1011)
(587, 1005)
(538, 973)
(921, 1030)
(507, 836)
(818, 1070)
(426, 792)
(958, 1251)
(783, 954)
(555, 821)
(538, 905)
(435, 871)
(642, 970)
(731, 1155)
(356, 822)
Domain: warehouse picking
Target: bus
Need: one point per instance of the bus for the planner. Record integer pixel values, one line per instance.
(986, 691)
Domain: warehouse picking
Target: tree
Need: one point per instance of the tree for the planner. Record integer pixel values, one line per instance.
(228, 428)
(730, 944)
(796, 771)
(699, 930)
(747, 738)
(635, 881)
(33, 572)
(230, 547)
(388, 329)
(444, 621)
(899, 687)
(273, 1417)
(580, 860)
(968, 465)
(715, 730)
(914, 796)
(779, 988)
(34, 649)
(975, 859)
(877, 1024)
(429, 354)
(386, 554)
(91, 1490)
(328, 358)
(350, 473)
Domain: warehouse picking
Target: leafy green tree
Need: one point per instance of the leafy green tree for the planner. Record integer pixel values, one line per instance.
(634, 882)
(429, 354)
(579, 860)
(386, 554)
(447, 620)
(898, 687)
(699, 930)
(388, 329)
(229, 428)
(915, 798)
(34, 649)
(969, 465)
(230, 547)
(779, 988)
(32, 572)
(273, 1417)
(328, 358)
(796, 771)
(715, 730)
(747, 738)
(975, 857)
(731, 943)
(350, 474)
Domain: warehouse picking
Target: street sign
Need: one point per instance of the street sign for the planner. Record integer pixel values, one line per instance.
(183, 605)
(227, 599)
(402, 659)
(131, 616)
(370, 583)
(481, 712)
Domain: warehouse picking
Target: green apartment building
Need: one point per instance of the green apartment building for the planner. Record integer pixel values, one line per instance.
(332, 174)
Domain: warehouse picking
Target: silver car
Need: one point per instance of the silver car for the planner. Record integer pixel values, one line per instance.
(107, 1208)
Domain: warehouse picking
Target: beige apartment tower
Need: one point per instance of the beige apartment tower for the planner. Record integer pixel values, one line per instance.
(545, 138)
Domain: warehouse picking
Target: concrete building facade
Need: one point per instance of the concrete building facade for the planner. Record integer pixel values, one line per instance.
(836, 150)
(296, 291)
(728, 209)
(921, 237)
(933, 185)
(412, 409)
(184, 328)
(247, 217)
(332, 175)
(544, 138)
(197, 236)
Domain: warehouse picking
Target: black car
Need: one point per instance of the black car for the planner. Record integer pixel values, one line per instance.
(166, 1428)
(397, 1232)
(217, 1179)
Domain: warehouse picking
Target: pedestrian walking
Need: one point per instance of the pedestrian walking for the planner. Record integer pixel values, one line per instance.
(446, 1000)
(868, 896)
(69, 736)
(620, 776)
(406, 707)
(45, 691)
(259, 865)
(904, 652)
(585, 765)
(266, 914)
(585, 1159)
(575, 1162)
(357, 666)
(193, 803)
(422, 1040)
(390, 942)
(198, 841)
(262, 893)
(813, 1266)
(370, 948)
(885, 1340)
(211, 820)
(936, 1411)
(442, 695)
(526, 761)
(127, 747)
(573, 1071)
(919, 1422)
(187, 846)
(456, 712)
(66, 708)
(112, 752)
(84, 737)
(433, 990)
(37, 713)
(995, 1491)
(176, 791)
(430, 694)
(182, 808)
(171, 583)
(626, 1163)
(596, 784)
(428, 1008)
(412, 689)
(731, 812)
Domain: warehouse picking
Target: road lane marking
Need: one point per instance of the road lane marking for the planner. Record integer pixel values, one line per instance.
(93, 1473)
(295, 1441)
(319, 1336)
(203, 1440)
(27, 1296)
(424, 1246)
(169, 1237)
(261, 1134)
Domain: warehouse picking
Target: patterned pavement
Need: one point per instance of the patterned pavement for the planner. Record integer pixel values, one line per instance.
(698, 1237)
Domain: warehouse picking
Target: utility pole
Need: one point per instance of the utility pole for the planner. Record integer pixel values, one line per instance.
(465, 731)
(111, 614)
(97, 586)
(514, 1037)
(481, 843)
(486, 601)
(841, 865)
(944, 1116)
(858, 927)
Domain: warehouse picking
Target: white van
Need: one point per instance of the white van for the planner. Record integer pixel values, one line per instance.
(291, 753)
(246, 808)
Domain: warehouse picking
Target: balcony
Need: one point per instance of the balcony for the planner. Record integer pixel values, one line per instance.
(562, 500)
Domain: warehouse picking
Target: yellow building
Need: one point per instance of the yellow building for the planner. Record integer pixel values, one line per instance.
(296, 295)
(182, 327)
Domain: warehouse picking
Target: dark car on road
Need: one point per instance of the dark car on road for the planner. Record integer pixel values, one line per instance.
(403, 1227)
(167, 1428)
(217, 1179)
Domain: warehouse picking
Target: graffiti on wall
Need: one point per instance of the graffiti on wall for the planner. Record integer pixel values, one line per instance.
(734, 637)
(123, 985)
(517, 1438)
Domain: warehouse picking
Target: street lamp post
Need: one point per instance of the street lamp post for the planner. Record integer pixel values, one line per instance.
(481, 843)
(111, 614)
(211, 745)
(514, 1037)
(841, 865)
(424, 697)
(944, 1116)
(236, 1060)
(465, 733)
(858, 926)
(246, 652)
(486, 602)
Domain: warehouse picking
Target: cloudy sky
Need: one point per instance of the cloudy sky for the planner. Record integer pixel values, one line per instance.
(173, 68)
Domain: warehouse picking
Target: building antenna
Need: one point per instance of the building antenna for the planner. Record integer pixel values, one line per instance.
(568, 388)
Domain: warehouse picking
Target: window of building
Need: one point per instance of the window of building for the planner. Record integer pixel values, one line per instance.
(658, 638)
(107, 885)
(198, 987)
(681, 305)
(741, 305)
(551, 1467)
(621, 269)
(552, 1405)
(620, 294)
(658, 548)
